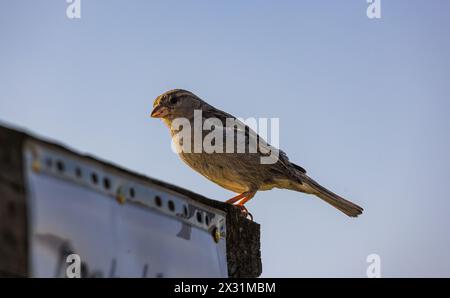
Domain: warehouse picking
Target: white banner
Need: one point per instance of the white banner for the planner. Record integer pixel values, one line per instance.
(151, 236)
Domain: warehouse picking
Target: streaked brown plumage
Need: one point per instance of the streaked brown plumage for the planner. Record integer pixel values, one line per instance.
(242, 173)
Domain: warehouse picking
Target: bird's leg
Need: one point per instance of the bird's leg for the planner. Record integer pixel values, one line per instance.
(236, 198)
(245, 200)
(242, 199)
(244, 210)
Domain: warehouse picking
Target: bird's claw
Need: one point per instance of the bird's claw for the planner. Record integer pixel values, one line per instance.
(244, 212)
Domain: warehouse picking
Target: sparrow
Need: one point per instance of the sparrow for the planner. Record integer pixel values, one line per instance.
(241, 172)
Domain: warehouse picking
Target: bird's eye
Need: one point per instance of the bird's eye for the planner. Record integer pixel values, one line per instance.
(173, 100)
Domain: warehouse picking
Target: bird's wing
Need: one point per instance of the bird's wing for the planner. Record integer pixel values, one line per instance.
(264, 149)
(239, 128)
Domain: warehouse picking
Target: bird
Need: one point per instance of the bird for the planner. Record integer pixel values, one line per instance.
(241, 172)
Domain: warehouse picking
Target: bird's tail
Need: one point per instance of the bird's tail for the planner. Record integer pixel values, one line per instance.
(331, 198)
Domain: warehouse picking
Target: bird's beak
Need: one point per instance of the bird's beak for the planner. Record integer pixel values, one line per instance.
(159, 112)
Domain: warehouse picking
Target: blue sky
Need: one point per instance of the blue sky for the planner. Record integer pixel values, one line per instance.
(363, 106)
